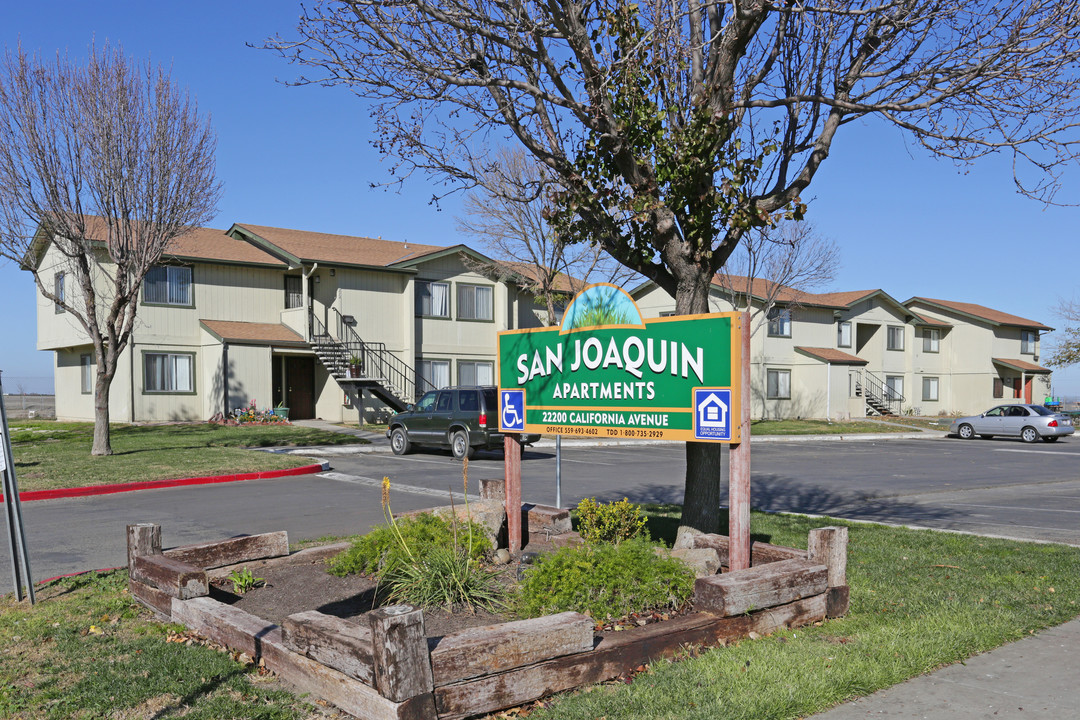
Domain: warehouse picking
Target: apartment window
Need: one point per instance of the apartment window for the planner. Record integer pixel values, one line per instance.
(475, 373)
(931, 340)
(168, 285)
(843, 334)
(168, 372)
(894, 387)
(1027, 342)
(474, 302)
(432, 299)
(436, 372)
(86, 377)
(780, 322)
(895, 337)
(667, 313)
(294, 291)
(999, 388)
(929, 389)
(778, 384)
(58, 291)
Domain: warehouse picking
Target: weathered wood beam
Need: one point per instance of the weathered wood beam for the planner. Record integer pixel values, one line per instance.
(174, 577)
(828, 545)
(760, 553)
(142, 539)
(233, 550)
(497, 648)
(616, 654)
(758, 587)
(400, 652)
(333, 641)
(158, 601)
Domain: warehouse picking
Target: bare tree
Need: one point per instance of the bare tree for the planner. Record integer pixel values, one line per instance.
(106, 163)
(1066, 349)
(777, 264)
(676, 127)
(507, 213)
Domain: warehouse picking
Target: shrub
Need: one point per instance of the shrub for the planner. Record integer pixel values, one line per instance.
(445, 575)
(604, 581)
(381, 550)
(609, 522)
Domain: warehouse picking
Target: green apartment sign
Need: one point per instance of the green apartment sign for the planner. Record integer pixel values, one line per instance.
(607, 372)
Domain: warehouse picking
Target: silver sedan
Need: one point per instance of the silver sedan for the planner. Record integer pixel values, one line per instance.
(1028, 422)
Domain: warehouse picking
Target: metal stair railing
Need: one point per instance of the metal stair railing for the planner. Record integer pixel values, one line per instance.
(879, 396)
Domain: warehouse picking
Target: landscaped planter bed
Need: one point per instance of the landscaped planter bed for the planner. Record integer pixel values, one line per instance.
(385, 664)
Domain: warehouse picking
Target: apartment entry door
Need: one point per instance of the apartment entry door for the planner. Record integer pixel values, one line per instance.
(299, 385)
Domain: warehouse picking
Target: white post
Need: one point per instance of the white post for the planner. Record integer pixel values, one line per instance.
(828, 391)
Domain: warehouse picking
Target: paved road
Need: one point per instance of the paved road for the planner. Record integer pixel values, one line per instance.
(991, 487)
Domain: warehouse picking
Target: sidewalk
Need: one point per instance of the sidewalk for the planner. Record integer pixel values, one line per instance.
(1031, 678)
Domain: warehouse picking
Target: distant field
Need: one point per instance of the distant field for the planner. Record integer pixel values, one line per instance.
(21, 407)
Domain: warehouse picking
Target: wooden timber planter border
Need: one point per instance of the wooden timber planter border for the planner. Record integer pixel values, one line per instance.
(382, 666)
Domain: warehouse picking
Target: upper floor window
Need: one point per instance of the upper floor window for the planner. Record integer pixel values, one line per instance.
(168, 285)
(294, 291)
(432, 299)
(843, 334)
(474, 302)
(895, 337)
(58, 291)
(1027, 342)
(779, 322)
(931, 340)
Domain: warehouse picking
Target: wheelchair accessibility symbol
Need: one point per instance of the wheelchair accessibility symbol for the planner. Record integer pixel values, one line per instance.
(513, 409)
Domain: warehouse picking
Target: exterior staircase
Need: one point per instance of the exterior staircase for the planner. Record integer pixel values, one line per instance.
(357, 365)
(880, 399)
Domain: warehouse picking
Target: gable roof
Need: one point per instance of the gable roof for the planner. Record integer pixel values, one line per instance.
(252, 332)
(296, 246)
(831, 355)
(1022, 365)
(979, 312)
(563, 282)
(762, 289)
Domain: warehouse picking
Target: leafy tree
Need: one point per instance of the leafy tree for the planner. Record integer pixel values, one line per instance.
(675, 128)
(1066, 349)
(110, 162)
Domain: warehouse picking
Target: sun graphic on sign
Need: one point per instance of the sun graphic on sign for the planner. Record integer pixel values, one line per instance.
(601, 305)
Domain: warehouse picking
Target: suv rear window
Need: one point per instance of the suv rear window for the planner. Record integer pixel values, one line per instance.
(468, 400)
(490, 400)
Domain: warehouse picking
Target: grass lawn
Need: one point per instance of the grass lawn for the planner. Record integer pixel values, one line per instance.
(821, 427)
(919, 600)
(51, 455)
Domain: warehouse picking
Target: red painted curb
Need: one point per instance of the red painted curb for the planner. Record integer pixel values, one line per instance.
(30, 495)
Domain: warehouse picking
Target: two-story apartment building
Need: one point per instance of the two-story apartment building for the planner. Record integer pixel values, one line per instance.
(313, 321)
(849, 354)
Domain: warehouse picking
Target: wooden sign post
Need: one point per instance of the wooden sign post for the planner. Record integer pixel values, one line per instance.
(739, 464)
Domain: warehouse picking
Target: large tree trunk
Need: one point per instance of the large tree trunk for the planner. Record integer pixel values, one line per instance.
(701, 496)
(102, 442)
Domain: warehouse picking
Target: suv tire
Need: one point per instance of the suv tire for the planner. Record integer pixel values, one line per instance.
(399, 441)
(459, 445)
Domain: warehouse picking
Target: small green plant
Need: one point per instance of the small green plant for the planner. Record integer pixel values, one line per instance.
(447, 576)
(604, 581)
(243, 580)
(609, 522)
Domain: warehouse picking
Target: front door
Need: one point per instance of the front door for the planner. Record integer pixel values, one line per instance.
(300, 387)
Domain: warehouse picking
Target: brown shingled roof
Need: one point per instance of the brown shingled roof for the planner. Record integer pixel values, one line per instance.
(337, 249)
(831, 355)
(252, 332)
(761, 288)
(1022, 365)
(985, 313)
(563, 282)
(928, 321)
(200, 244)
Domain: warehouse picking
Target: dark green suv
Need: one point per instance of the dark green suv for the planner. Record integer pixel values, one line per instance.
(463, 419)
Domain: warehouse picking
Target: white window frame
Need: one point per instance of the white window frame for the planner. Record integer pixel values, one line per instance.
(86, 376)
(174, 376)
(840, 328)
(176, 292)
(475, 309)
(931, 389)
(59, 280)
(894, 387)
(777, 384)
(894, 332)
(423, 292)
(474, 366)
(779, 322)
(931, 341)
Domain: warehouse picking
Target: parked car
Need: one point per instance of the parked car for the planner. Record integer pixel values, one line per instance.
(1028, 422)
(463, 419)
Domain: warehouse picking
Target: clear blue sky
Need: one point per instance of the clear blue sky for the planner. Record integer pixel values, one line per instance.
(299, 158)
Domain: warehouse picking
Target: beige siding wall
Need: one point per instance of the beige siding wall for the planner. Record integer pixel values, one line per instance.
(58, 330)
(376, 300)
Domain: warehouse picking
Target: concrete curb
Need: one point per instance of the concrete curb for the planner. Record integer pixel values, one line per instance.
(32, 495)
